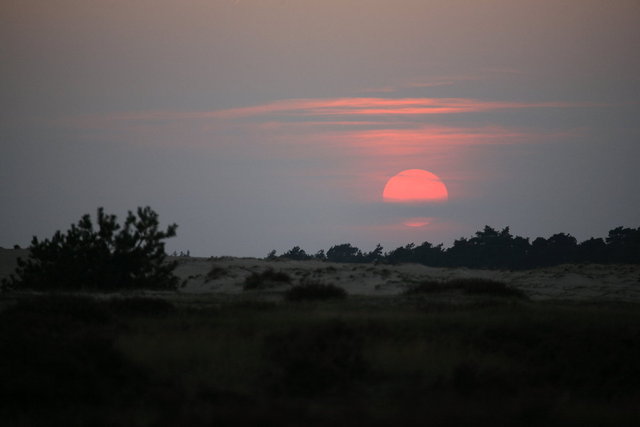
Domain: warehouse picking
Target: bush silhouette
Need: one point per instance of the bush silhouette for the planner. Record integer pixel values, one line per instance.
(108, 257)
(297, 254)
(141, 306)
(267, 279)
(475, 286)
(311, 291)
(215, 273)
(480, 286)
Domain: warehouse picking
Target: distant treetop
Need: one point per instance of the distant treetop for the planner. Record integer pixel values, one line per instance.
(493, 249)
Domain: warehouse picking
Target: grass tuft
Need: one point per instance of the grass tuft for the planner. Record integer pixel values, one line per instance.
(267, 279)
(141, 306)
(471, 286)
(314, 291)
(215, 273)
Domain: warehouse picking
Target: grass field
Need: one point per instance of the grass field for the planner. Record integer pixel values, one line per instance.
(256, 359)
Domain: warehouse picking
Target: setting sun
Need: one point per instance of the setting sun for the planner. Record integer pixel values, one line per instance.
(414, 185)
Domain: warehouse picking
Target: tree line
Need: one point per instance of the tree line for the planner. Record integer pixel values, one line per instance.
(492, 249)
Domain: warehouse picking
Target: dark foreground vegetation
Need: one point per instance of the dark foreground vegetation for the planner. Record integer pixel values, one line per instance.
(493, 249)
(411, 360)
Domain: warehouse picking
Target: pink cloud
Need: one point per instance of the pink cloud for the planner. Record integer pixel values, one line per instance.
(362, 127)
(367, 106)
(418, 222)
(425, 139)
(340, 110)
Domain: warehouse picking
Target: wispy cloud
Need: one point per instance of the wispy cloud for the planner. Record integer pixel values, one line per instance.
(422, 139)
(444, 80)
(332, 111)
(360, 126)
(369, 106)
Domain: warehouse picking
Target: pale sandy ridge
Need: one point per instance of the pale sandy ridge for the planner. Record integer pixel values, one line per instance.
(575, 282)
(567, 282)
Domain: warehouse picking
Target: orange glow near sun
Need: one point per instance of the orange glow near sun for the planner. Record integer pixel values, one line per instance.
(417, 222)
(415, 186)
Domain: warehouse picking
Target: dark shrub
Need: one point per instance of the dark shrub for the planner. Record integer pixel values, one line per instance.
(316, 359)
(486, 287)
(107, 258)
(253, 305)
(426, 287)
(311, 291)
(267, 279)
(141, 306)
(473, 286)
(216, 273)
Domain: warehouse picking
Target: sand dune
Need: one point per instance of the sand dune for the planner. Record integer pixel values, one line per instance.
(567, 282)
(575, 282)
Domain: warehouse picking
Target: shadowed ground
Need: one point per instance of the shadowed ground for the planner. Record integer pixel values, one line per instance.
(221, 352)
(242, 360)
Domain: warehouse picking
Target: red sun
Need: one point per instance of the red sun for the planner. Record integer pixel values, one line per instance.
(415, 186)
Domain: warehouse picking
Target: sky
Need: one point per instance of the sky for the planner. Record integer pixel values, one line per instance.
(267, 124)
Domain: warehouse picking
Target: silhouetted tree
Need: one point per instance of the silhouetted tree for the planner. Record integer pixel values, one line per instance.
(109, 257)
(538, 255)
(344, 253)
(296, 253)
(401, 254)
(623, 245)
(460, 253)
(562, 248)
(489, 248)
(428, 254)
(272, 255)
(374, 255)
(592, 251)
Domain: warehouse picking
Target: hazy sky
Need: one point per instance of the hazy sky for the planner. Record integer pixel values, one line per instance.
(264, 124)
